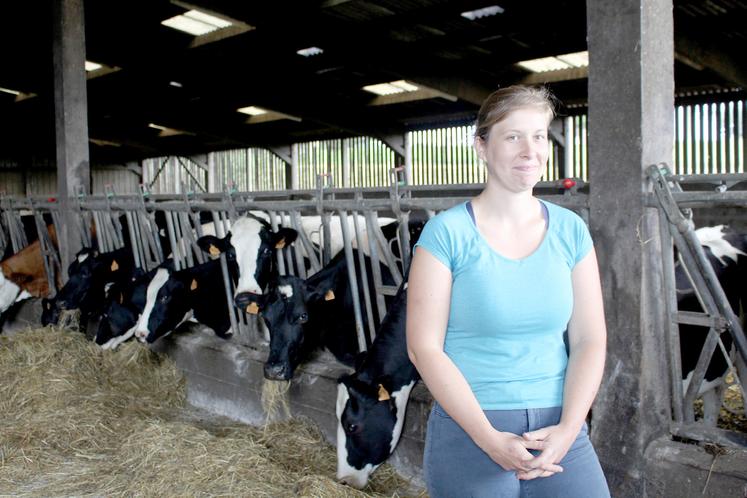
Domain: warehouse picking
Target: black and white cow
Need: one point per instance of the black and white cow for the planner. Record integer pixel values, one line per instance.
(306, 315)
(173, 297)
(726, 250)
(371, 403)
(88, 275)
(251, 242)
(125, 302)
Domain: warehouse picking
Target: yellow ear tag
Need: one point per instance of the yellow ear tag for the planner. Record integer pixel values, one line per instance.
(280, 244)
(329, 296)
(383, 393)
(213, 251)
(194, 284)
(252, 308)
(115, 266)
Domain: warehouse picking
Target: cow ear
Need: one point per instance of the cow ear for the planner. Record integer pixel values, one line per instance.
(283, 237)
(383, 393)
(212, 245)
(193, 286)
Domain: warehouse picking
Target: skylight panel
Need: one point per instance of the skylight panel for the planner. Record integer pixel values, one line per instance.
(308, 52)
(399, 86)
(558, 62)
(252, 110)
(484, 12)
(196, 23)
(8, 90)
(92, 66)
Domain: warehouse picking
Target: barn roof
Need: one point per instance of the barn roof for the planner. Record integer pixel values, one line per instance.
(156, 76)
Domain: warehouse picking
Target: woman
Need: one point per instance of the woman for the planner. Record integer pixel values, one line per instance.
(506, 326)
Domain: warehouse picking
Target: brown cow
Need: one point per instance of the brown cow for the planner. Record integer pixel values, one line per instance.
(24, 272)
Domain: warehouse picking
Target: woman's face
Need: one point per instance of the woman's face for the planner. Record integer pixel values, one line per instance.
(516, 149)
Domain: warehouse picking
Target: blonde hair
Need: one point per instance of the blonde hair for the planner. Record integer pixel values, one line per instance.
(503, 101)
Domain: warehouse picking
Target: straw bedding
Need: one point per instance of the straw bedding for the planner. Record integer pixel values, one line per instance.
(79, 421)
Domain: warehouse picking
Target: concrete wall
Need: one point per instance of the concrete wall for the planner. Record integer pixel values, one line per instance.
(226, 378)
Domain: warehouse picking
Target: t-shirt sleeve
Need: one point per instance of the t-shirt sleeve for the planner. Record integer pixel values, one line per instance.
(435, 238)
(583, 239)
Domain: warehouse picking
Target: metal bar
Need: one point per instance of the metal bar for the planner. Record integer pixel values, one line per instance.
(352, 281)
(278, 254)
(364, 279)
(375, 266)
(673, 332)
(134, 241)
(308, 246)
(227, 283)
(175, 255)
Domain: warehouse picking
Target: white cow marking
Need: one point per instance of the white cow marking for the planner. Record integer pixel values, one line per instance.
(345, 472)
(713, 238)
(286, 290)
(82, 257)
(246, 241)
(9, 293)
(159, 280)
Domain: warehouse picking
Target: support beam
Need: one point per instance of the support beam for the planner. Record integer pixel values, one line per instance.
(631, 104)
(699, 54)
(71, 118)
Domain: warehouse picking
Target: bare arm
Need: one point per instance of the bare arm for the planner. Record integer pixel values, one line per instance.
(587, 338)
(428, 302)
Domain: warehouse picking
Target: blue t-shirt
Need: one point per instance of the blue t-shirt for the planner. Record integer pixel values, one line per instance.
(508, 316)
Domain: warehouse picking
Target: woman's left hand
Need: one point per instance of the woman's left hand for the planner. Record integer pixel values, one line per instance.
(554, 442)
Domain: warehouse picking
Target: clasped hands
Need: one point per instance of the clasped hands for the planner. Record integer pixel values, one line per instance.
(511, 452)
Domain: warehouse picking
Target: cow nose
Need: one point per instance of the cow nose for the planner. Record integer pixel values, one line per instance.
(354, 481)
(276, 371)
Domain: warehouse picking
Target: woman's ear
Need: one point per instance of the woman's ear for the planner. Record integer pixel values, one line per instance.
(480, 147)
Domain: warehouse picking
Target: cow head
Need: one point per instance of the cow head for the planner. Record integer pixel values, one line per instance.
(254, 244)
(287, 309)
(87, 276)
(124, 303)
(168, 300)
(369, 423)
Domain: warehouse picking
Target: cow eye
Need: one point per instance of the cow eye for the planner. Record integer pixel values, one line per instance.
(163, 299)
(303, 318)
(266, 250)
(351, 428)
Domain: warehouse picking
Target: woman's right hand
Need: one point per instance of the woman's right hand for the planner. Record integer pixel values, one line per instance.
(511, 452)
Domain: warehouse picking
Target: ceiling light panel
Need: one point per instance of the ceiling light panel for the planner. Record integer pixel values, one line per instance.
(399, 86)
(196, 23)
(555, 63)
(484, 12)
(252, 110)
(308, 52)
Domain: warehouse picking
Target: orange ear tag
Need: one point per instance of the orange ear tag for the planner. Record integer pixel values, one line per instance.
(115, 266)
(213, 251)
(194, 284)
(252, 308)
(383, 393)
(329, 296)
(280, 244)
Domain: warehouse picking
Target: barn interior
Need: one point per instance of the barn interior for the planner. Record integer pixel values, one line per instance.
(161, 91)
(268, 75)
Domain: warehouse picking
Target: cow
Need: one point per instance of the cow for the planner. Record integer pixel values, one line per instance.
(306, 315)
(371, 402)
(23, 274)
(251, 243)
(172, 297)
(88, 275)
(726, 250)
(124, 304)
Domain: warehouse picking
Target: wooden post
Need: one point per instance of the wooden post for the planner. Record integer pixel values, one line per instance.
(71, 118)
(631, 109)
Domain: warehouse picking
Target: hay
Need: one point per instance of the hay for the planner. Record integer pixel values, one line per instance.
(69, 319)
(274, 400)
(79, 421)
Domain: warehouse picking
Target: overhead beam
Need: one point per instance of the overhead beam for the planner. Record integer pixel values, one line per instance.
(461, 88)
(704, 55)
(574, 73)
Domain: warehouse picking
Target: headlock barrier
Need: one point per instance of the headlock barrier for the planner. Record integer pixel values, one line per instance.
(152, 222)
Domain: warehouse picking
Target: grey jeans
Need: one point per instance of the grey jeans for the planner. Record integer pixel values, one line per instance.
(455, 467)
